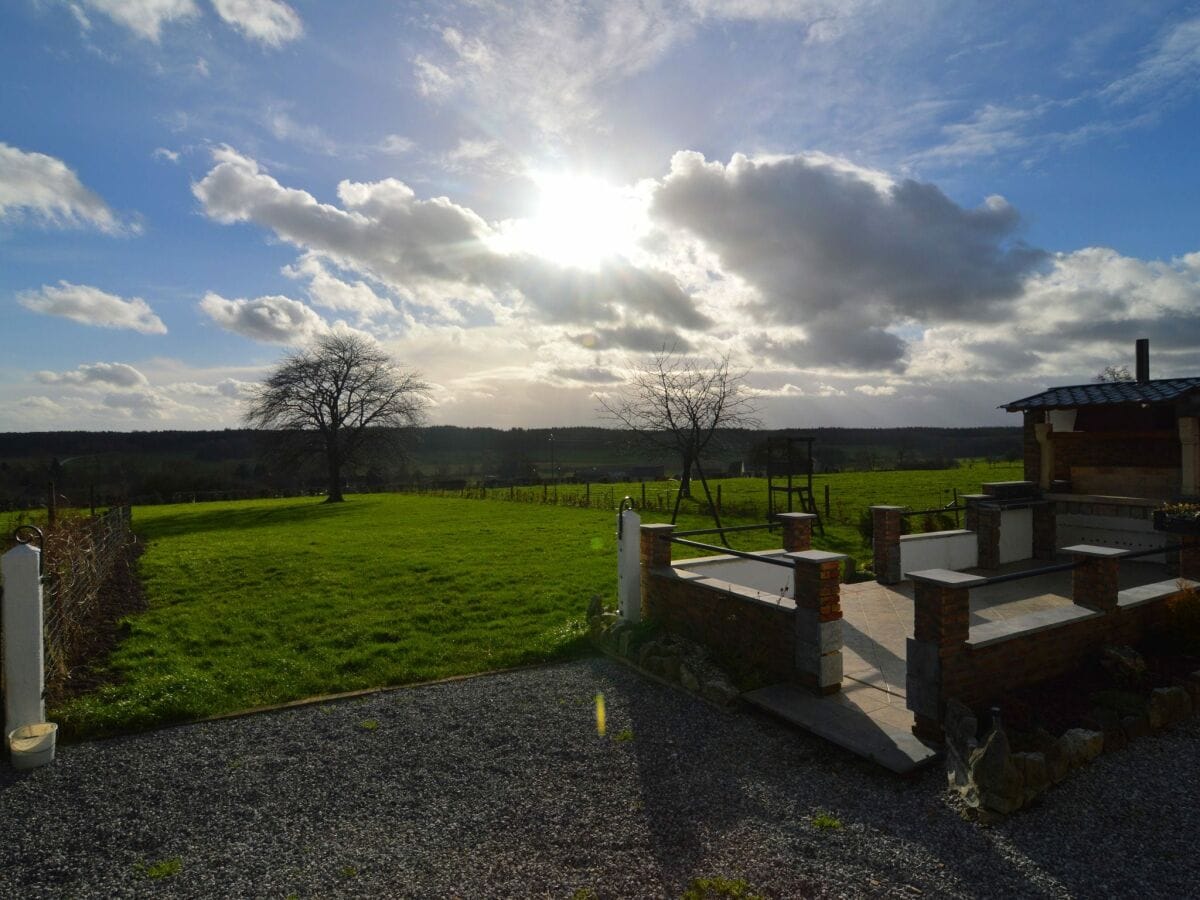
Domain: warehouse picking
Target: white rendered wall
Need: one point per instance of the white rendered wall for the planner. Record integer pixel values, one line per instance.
(955, 550)
(1016, 535)
(629, 575)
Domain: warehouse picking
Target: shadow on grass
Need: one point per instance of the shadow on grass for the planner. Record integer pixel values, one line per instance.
(243, 518)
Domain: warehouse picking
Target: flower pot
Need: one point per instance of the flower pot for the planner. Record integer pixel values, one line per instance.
(32, 745)
(1173, 523)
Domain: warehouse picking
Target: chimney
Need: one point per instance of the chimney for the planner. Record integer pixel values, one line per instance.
(1143, 360)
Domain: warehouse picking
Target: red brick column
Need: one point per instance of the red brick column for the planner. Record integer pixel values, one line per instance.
(987, 536)
(818, 595)
(941, 609)
(1045, 530)
(1189, 556)
(885, 530)
(655, 552)
(1094, 581)
(797, 531)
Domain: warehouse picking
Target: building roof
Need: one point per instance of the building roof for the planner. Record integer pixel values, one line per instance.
(1107, 393)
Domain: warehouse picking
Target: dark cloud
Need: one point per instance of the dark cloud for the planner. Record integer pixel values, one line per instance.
(846, 252)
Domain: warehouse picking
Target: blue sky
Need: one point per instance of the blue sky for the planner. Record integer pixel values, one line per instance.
(889, 213)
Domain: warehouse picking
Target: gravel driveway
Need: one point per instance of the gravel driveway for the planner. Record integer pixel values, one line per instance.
(499, 786)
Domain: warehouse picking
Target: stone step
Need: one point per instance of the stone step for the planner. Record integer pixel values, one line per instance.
(852, 729)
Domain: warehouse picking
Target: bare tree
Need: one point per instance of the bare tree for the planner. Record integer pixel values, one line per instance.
(679, 404)
(335, 395)
(1112, 374)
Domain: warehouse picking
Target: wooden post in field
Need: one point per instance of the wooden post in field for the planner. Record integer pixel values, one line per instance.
(643, 506)
(827, 501)
(22, 618)
(718, 499)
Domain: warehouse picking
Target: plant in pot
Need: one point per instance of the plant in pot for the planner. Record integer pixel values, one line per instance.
(1178, 518)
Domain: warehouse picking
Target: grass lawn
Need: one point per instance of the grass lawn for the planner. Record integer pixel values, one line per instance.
(261, 602)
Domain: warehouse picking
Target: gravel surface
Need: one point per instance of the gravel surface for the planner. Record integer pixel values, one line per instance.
(499, 786)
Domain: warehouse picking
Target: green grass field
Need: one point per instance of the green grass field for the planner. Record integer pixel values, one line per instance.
(261, 602)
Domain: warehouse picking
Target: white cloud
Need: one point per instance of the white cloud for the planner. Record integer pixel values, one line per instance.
(548, 61)
(396, 144)
(436, 248)
(145, 18)
(1173, 66)
(331, 292)
(270, 22)
(876, 390)
(274, 319)
(142, 404)
(286, 128)
(120, 375)
(46, 189)
(164, 153)
(92, 306)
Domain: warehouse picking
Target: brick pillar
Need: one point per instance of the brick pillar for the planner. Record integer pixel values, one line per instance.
(797, 531)
(818, 620)
(655, 552)
(1189, 445)
(987, 536)
(1189, 556)
(885, 529)
(1045, 530)
(941, 609)
(1044, 433)
(1094, 580)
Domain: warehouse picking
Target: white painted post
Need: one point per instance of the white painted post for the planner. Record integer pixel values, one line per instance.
(629, 569)
(24, 675)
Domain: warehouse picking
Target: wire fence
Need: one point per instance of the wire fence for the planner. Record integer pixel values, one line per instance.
(80, 556)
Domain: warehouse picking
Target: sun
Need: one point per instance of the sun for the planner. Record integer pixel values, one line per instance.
(579, 221)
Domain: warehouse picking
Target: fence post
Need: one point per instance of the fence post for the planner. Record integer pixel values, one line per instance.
(629, 566)
(24, 673)
(643, 506)
(826, 501)
(718, 499)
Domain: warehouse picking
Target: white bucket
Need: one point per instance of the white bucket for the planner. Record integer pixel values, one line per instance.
(32, 745)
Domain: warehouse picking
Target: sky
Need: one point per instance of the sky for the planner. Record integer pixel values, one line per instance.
(885, 213)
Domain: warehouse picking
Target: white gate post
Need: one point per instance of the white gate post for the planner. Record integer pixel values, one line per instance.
(629, 567)
(24, 674)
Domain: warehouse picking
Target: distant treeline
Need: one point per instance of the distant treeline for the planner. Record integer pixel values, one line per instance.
(146, 466)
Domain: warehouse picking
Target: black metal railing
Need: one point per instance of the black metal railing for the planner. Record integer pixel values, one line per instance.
(726, 551)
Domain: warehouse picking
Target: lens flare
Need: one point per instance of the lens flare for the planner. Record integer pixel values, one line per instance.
(600, 716)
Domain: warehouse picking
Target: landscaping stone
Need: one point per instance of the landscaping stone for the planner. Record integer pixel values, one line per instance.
(1108, 721)
(1169, 705)
(1035, 774)
(996, 783)
(1080, 746)
(960, 727)
(1135, 726)
(719, 691)
(1125, 665)
(688, 678)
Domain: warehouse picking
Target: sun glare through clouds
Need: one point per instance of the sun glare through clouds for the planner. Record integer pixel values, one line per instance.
(580, 221)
